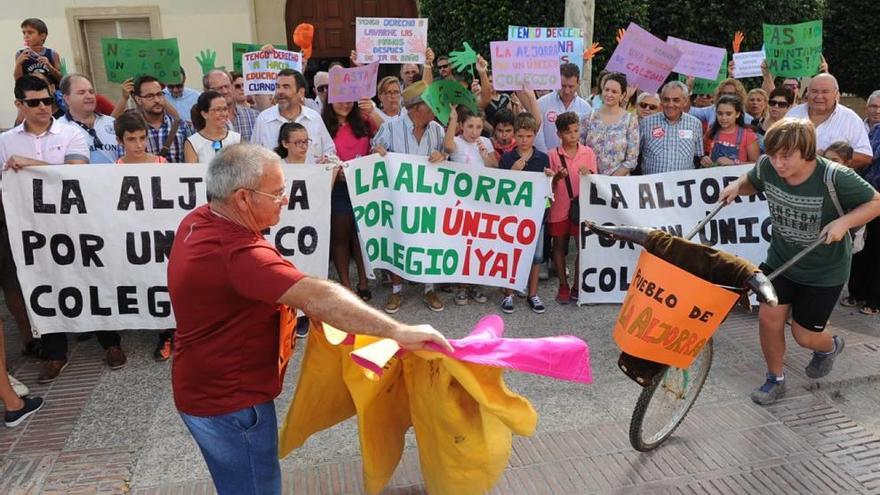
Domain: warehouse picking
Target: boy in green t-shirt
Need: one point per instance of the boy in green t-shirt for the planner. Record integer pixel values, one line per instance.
(793, 179)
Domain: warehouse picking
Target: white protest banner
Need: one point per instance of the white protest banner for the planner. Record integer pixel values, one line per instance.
(391, 40)
(262, 67)
(446, 222)
(674, 202)
(748, 64)
(571, 43)
(697, 60)
(534, 64)
(644, 58)
(91, 243)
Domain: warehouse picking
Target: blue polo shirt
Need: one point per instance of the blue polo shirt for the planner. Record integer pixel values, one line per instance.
(537, 163)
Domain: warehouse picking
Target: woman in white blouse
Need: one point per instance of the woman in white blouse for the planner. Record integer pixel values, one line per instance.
(209, 116)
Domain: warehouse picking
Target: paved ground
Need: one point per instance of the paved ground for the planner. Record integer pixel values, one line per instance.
(116, 431)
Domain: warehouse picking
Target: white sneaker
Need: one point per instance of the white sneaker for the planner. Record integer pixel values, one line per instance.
(20, 388)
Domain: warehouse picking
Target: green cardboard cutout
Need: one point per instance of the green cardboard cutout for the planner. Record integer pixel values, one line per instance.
(793, 50)
(441, 94)
(207, 60)
(466, 59)
(125, 58)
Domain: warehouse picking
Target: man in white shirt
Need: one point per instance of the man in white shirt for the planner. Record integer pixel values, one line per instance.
(79, 94)
(321, 82)
(558, 102)
(833, 121)
(290, 90)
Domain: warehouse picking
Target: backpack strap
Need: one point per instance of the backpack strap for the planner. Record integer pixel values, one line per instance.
(830, 174)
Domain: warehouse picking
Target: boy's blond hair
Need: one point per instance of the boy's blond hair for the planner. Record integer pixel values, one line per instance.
(789, 135)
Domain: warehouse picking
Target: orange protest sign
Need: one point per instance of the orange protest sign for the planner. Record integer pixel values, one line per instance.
(668, 314)
(286, 339)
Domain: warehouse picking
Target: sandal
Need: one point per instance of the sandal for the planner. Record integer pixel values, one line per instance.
(869, 310)
(364, 294)
(849, 302)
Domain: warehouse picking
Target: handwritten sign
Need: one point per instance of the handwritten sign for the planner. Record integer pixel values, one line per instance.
(645, 59)
(352, 84)
(262, 68)
(125, 58)
(239, 49)
(669, 314)
(793, 50)
(391, 40)
(570, 40)
(534, 64)
(708, 86)
(747, 64)
(697, 60)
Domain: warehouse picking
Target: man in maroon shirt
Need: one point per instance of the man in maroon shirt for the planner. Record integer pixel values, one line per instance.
(227, 286)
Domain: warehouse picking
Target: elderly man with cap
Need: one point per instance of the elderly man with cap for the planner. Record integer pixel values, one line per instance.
(415, 132)
(321, 83)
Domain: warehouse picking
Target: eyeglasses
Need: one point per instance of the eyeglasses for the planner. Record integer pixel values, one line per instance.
(647, 106)
(778, 103)
(278, 198)
(321, 88)
(152, 96)
(35, 102)
(301, 142)
(219, 109)
(174, 86)
(391, 93)
(238, 86)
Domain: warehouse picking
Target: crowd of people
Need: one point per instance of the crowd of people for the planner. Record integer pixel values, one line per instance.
(619, 130)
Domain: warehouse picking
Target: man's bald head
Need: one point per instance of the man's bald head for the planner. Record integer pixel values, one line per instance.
(825, 79)
(219, 80)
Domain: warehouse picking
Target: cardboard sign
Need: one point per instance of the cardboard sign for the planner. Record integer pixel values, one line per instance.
(570, 40)
(674, 202)
(748, 64)
(391, 40)
(698, 60)
(239, 49)
(446, 222)
(116, 225)
(262, 68)
(708, 86)
(669, 314)
(645, 59)
(443, 93)
(125, 58)
(352, 84)
(793, 50)
(534, 64)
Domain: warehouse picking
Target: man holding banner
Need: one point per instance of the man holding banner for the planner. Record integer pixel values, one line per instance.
(231, 291)
(413, 133)
(802, 189)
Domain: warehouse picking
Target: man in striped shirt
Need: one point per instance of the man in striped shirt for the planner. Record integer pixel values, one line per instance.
(670, 140)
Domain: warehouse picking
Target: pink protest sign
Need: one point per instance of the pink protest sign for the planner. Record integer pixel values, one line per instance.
(644, 58)
(352, 84)
(697, 60)
(532, 63)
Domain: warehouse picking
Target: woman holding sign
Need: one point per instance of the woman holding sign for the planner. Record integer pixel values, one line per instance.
(801, 189)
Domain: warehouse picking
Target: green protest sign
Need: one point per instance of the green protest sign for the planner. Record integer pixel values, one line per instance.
(793, 50)
(441, 94)
(239, 49)
(708, 86)
(125, 58)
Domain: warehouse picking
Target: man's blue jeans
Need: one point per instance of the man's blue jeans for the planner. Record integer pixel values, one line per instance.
(241, 449)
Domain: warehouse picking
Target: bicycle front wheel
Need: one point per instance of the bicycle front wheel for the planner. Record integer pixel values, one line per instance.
(663, 405)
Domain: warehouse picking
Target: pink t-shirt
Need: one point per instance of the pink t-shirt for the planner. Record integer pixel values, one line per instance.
(561, 202)
(348, 146)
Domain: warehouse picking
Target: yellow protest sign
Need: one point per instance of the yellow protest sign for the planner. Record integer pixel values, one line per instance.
(669, 314)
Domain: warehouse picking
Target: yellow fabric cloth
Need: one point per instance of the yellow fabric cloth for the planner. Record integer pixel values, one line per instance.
(462, 412)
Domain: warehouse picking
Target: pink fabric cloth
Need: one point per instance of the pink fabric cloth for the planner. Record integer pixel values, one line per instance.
(564, 357)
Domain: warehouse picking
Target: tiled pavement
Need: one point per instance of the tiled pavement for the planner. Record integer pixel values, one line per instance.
(806, 443)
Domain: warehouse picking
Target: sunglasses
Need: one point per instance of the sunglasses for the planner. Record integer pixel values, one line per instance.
(321, 88)
(35, 102)
(444, 66)
(239, 86)
(647, 106)
(777, 103)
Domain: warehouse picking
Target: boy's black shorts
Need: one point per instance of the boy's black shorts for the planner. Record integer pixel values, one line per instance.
(810, 306)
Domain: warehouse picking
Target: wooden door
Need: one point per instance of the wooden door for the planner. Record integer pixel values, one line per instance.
(334, 21)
